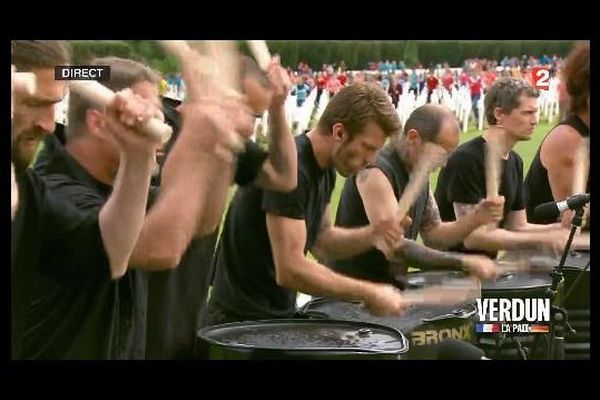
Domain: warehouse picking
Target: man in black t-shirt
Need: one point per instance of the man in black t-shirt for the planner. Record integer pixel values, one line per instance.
(510, 110)
(176, 297)
(260, 259)
(374, 193)
(85, 244)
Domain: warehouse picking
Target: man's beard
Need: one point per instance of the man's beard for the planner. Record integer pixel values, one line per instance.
(22, 155)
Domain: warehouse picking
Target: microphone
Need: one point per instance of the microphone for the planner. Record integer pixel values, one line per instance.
(553, 209)
(454, 349)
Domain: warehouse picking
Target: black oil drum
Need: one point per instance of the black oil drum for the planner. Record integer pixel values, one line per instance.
(579, 295)
(515, 346)
(300, 339)
(577, 303)
(425, 327)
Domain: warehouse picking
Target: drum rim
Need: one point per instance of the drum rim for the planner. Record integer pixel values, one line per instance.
(443, 316)
(201, 334)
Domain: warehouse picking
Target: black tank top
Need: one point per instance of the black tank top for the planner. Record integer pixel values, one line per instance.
(537, 185)
(373, 265)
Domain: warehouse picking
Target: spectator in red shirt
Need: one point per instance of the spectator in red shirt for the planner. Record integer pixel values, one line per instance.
(475, 85)
(448, 80)
(432, 84)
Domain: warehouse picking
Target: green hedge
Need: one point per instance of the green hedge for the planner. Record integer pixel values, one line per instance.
(356, 54)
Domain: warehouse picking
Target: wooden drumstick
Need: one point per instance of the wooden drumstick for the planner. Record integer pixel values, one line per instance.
(493, 157)
(208, 71)
(14, 193)
(459, 291)
(100, 94)
(581, 167)
(260, 52)
(433, 157)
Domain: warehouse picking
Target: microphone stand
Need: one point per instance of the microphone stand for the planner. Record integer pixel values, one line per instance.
(559, 316)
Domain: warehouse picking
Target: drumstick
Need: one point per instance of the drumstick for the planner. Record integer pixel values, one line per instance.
(493, 158)
(98, 93)
(433, 157)
(457, 291)
(14, 193)
(260, 52)
(206, 70)
(581, 167)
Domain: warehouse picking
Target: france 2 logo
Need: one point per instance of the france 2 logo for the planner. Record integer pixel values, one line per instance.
(540, 77)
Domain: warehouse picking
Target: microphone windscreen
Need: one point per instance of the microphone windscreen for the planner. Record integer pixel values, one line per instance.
(547, 211)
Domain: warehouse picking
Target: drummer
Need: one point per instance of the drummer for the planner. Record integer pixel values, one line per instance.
(511, 106)
(373, 194)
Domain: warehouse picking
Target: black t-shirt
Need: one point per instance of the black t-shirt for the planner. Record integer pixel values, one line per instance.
(245, 282)
(463, 180)
(176, 297)
(372, 265)
(76, 311)
(537, 185)
(45, 223)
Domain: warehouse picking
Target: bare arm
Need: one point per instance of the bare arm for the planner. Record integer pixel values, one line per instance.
(279, 170)
(443, 235)
(194, 187)
(557, 154)
(341, 243)
(491, 238)
(295, 272)
(517, 221)
(122, 216)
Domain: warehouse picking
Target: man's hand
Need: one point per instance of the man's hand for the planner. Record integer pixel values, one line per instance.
(480, 266)
(388, 234)
(490, 210)
(280, 82)
(126, 116)
(209, 120)
(385, 300)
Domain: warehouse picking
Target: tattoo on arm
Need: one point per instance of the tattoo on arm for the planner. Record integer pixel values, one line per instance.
(431, 215)
(426, 258)
(461, 209)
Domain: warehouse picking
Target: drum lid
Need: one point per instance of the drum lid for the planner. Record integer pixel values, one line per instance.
(420, 280)
(412, 317)
(307, 335)
(516, 281)
(577, 260)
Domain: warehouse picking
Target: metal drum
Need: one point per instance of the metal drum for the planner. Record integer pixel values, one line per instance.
(425, 327)
(300, 339)
(577, 303)
(514, 346)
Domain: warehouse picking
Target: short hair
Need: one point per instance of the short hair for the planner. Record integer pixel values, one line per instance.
(428, 120)
(358, 104)
(31, 54)
(576, 73)
(124, 73)
(250, 69)
(505, 93)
